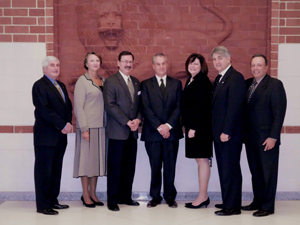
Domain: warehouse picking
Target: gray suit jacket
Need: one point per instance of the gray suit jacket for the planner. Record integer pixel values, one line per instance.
(119, 106)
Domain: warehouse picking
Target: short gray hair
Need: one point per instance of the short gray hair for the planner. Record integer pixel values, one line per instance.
(220, 50)
(48, 59)
(159, 54)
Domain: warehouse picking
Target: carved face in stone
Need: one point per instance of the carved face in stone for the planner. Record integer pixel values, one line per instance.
(110, 24)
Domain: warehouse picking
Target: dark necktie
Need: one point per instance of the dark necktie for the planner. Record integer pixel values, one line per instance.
(251, 90)
(162, 87)
(216, 83)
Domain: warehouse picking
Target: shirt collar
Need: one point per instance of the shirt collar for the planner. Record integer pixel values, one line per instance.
(224, 71)
(52, 81)
(125, 77)
(159, 78)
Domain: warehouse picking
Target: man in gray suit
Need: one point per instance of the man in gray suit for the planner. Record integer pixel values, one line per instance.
(121, 102)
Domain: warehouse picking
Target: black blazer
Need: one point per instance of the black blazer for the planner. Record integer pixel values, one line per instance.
(119, 107)
(51, 112)
(158, 110)
(265, 111)
(196, 106)
(228, 106)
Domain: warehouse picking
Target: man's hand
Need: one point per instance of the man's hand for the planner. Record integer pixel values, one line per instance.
(269, 144)
(191, 133)
(67, 129)
(224, 137)
(164, 129)
(86, 135)
(135, 124)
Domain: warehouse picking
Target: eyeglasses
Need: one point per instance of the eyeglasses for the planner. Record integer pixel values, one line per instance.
(127, 62)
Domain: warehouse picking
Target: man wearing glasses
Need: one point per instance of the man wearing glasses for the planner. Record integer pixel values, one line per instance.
(121, 102)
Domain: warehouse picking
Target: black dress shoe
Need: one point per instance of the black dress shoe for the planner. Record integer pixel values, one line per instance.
(47, 211)
(188, 203)
(153, 203)
(228, 212)
(250, 207)
(59, 206)
(87, 205)
(113, 207)
(262, 212)
(219, 206)
(202, 204)
(97, 203)
(131, 203)
(172, 203)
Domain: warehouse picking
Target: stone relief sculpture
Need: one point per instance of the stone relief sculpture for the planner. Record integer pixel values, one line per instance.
(109, 27)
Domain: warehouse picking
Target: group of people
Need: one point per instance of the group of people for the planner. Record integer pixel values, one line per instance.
(228, 113)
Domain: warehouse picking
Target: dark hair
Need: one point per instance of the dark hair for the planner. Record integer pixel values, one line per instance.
(192, 58)
(259, 55)
(86, 59)
(125, 53)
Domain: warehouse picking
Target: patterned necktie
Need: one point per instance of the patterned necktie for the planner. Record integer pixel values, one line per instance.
(59, 90)
(251, 90)
(130, 88)
(162, 87)
(216, 83)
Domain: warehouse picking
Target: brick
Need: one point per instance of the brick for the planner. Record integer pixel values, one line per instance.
(292, 129)
(292, 39)
(282, 39)
(24, 38)
(49, 29)
(274, 30)
(50, 46)
(16, 29)
(274, 56)
(173, 2)
(5, 3)
(190, 2)
(163, 9)
(49, 12)
(36, 12)
(173, 17)
(1, 29)
(262, 10)
(41, 3)
(24, 20)
(293, 22)
(274, 47)
(41, 21)
(275, 13)
(274, 64)
(155, 2)
(5, 20)
(49, 20)
(23, 129)
(249, 10)
(291, 31)
(49, 38)
(293, 5)
(24, 3)
(49, 3)
(275, 5)
(5, 38)
(154, 49)
(289, 14)
(42, 38)
(15, 12)
(273, 72)
(137, 16)
(6, 129)
(282, 6)
(37, 29)
(180, 9)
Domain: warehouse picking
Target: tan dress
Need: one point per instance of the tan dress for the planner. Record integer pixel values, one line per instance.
(90, 156)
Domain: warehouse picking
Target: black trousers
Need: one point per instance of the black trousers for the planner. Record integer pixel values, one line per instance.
(162, 154)
(121, 161)
(264, 170)
(228, 156)
(47, 174)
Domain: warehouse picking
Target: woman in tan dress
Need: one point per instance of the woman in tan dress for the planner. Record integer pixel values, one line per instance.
(90, 148)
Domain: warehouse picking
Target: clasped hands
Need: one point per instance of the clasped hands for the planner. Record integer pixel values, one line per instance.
(164, 130)
(133, 124)
(67, 129)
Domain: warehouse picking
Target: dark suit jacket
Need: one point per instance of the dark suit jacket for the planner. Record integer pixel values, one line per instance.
(228, 105)
(51, 112)
(196, 106)
(159, 110)
(265, 111)
(119, 106)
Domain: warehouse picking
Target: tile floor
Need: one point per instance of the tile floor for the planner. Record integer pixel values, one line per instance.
(23, 213)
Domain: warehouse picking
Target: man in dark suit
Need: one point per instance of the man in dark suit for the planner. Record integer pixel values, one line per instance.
(53, 116)
(121, 101)
(229, 91)
(161, 129)
(266, 106)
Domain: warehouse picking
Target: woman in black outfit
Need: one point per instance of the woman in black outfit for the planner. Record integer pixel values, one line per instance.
(196, 118)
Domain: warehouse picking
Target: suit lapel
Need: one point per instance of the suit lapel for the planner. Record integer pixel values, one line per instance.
(124, 85)
(222, 82)
(258, 91)
(53, 88)
(156, 87)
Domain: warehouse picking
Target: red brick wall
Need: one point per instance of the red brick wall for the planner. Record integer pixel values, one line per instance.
(32, 21)
(27, 21)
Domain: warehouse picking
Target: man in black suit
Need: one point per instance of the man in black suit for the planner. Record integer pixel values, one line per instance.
(121, 102)
(266, 106)
(53, 116)
(161, 129)
(228, 98)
